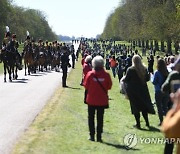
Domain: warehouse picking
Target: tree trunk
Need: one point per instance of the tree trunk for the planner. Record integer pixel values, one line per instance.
(139, 43)
(169, 46)
(156, 45)
(147, 44)
(143, 44)
(136, 43)
(176, 46)
(162, 46)
(151, 45)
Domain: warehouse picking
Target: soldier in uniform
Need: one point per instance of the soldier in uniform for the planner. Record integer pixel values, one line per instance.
(13, 47)
(27, 44)
(64, 65)
(28, 40)
(35, 50)
(6, 39)
(73, 58)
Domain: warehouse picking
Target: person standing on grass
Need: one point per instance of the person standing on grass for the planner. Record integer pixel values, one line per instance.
(64, 65)
(150, 64)
(161, 98)
(73, 58)
(87, 66)
(113, 65)
(166, 87)
(97, 82)
(137, 90)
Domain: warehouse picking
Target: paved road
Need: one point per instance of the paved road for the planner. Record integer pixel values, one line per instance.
(20, 103)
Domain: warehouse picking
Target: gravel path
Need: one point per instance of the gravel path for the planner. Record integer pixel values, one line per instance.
(20, 103)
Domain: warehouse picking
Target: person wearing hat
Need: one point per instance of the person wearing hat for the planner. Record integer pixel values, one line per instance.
(6, 39)
(27, 43)
(13, 47)
(12, 44)
(28, 40)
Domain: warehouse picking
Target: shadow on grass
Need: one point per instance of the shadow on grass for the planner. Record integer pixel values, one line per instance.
(73, 88)
(119, 146)
(151, 129)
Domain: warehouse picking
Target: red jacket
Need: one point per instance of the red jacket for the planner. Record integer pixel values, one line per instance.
(86, 68)
(113, 62)
(96, 95)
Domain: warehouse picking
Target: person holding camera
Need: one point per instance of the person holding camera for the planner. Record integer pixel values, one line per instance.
(168, 87)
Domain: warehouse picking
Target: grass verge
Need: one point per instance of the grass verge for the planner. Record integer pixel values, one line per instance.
(62, 125)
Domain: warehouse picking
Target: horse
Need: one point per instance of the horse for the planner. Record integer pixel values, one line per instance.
(8, 59)
(49, 58)
(56, 61)
(41, 60)
(17, 64)
(29, 60)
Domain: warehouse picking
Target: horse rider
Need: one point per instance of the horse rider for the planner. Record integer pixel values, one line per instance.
(13, 47)
(35, 50)
(41, 47)
(28, 41)
(27, 44)
(6, 39)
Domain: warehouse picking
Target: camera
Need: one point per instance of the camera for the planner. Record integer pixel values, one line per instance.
(175, 85)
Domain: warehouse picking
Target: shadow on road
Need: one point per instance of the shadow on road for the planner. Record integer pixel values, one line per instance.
(20, 81)
(36, 75)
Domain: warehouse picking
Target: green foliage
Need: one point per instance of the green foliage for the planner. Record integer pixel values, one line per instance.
(21, 20)
(145, 19)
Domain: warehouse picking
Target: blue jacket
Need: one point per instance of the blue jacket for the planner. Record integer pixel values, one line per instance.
(158, 81)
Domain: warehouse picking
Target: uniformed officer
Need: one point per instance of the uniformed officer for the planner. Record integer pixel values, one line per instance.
(28, 39)
(64, 65)
(27, 43)
(6, 39)
(13, 47)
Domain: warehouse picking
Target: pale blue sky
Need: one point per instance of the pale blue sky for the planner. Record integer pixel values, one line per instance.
(74, 17)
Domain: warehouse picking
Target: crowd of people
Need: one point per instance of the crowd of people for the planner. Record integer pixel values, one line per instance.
(126, 63)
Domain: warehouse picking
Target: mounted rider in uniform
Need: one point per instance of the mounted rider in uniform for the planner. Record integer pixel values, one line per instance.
(6, 39)
(12, 47)
(27, 44)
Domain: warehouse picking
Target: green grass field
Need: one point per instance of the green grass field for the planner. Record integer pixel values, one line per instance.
(62, 125)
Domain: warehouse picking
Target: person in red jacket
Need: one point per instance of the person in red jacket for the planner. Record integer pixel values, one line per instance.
(97, 82)
(87, 65)
(82, 63)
